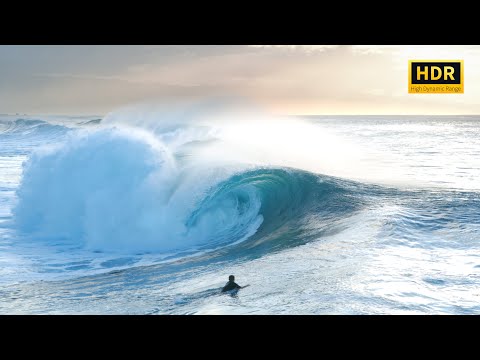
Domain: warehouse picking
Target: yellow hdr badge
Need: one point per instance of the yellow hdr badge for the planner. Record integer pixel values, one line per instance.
(435, 76)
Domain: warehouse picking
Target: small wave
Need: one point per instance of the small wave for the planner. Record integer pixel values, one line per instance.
(90, 122)
(27, 127)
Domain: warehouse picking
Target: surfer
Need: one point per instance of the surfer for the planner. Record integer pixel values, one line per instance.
(232, 285)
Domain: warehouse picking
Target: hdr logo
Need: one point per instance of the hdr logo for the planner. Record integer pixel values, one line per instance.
(435, 76)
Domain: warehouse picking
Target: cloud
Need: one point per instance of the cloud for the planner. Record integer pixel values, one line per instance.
(289, 78)
(373, 49)
(305, 48)
(375, 92)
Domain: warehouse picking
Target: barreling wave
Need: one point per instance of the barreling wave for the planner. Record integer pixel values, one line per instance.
(292, 207)
(117, 189)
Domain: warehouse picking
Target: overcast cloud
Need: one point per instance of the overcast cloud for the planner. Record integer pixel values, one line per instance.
(309, 79)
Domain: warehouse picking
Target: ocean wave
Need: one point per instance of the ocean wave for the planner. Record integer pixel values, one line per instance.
(27, 126)
(117, 189)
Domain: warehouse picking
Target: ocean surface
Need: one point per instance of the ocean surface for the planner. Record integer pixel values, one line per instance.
(149, 212)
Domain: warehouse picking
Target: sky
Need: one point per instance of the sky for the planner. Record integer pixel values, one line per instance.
(284, 79)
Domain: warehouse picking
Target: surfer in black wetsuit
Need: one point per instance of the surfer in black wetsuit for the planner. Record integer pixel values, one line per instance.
(231, 284)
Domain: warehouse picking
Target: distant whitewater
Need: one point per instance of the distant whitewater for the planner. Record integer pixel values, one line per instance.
(148, 210)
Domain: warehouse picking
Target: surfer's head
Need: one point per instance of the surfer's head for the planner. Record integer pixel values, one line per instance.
(231, 278)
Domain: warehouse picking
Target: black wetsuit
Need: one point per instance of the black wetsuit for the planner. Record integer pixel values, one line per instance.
(231, 285)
